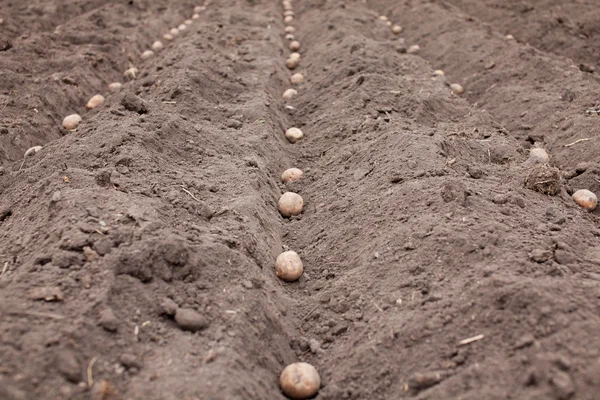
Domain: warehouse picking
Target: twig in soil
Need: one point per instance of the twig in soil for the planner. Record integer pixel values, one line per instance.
(4, 269)
(310, 312)
(577, 141)
(470, 340)
(23, 163)
(188, 192)
(90, 370)
(37, 314)
(377, 307)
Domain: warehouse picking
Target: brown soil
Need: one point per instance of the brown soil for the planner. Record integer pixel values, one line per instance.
(438, 263)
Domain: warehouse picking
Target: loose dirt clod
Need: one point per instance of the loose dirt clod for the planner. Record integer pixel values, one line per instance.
(291, 175)
(290, 204)
(95, 101)
(585, 199)
(288, 266)
(300, 381)
(71, 121)
(293, 135)
(544, 179)
(289, 93)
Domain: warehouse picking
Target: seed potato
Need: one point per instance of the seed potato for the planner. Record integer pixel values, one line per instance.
(288, 266)
(297, 79)
(95, 101)
(293, 135)
(300, 381)
(291, 175)
(71, 121)
(290, 204)
(289, 93)
(585, 199)
(157, 46)
(295, 45)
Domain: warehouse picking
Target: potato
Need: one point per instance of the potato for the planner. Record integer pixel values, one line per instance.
(147, 54)
(195, 16)
(182, 27)
(115, 86)
(383, 18)
(288, 266)
(290, 204)
(287, 5)
(297, 79)
(396, 29)
(168, 36)
(187, 22)
(509, 37)
(300, 381)
(295, 55)
(289, 29)
(538, 156)
(288, 12)
(388, 23)
(71, 121)
(292, 63)
(291, 175)
(174, 31)
(438, 72)
(413, 49)
(31, 151)
(457, 89)
(293, 135)
(131, 73)
(295, 45)
(289, 93)
(288, 19)
(289, 36)
(199, 9)
(157, 46)
(585, 199)
(95, 101)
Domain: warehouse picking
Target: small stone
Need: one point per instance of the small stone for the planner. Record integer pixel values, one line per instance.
(108, 320)
(48, 293)
(68, 365)
(563, 385)
(247, 284)
(190, 320)
(56, 196)
(129, 360)
(420, 381)
(168, 306)
(525, 341)
(540, 255)
(234, 123)
(340, 329)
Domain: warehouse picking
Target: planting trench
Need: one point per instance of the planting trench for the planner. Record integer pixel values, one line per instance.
(430, 270)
